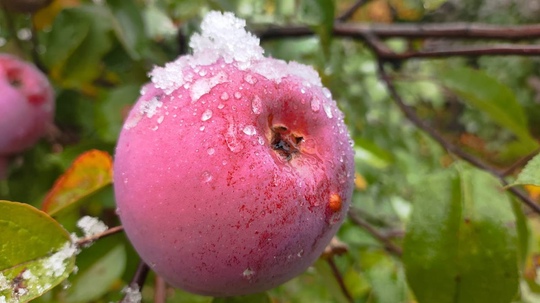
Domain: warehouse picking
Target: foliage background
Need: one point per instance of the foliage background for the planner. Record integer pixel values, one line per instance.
(97, 55)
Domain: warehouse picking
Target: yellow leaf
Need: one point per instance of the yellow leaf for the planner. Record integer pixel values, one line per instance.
(45, 17)
(534, 191)
(90, 172)
(360, 182)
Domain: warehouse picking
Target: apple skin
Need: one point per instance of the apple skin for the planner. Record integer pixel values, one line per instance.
(208, 199)
(26, 104)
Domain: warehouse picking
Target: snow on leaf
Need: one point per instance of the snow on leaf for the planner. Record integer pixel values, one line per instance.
(37, 252)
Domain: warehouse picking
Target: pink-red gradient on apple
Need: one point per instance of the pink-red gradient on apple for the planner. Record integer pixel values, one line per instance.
(233, 171)
(26, 104)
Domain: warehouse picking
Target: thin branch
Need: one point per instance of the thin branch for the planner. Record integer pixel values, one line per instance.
(519, 163)
(108, 232)
(160, 293)
(339, 279)
(411, 115)
(350, 12)
(137, 282)
(413, 31)
(388, 245)
(500, 49)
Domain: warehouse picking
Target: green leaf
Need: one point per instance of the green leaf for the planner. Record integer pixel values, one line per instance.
(487, 94)
(129, 27)
(256, 298)
(530, 175)
(319, 14)
(97, 279)
(461, 244)
(80, 63)
(36, 252)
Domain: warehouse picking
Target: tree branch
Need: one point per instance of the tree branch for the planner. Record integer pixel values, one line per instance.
(113, 230)
(411, 115)
(339, 279)
(388, 245)
(413, 31)
(137, 282)
(350, 12)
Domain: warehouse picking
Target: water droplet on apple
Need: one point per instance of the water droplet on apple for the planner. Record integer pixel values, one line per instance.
(250, 79)
(206, 115)
(327, 93)
(261, 140)
(250, 130)
(160, 119)
(302, 90)
(237, 95)
(224, 162)
(224, 96)
(327, 110)
(211, 151)
(206, 177)
(202, 128)
(248, 273)
(315, 104)
(256, 105)
(202, 73)
(221, 106)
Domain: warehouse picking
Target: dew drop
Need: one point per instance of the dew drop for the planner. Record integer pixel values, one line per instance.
(250, 130)
(261, 140)
(160, 119)
(327, 93)
(221, 106)
(202, 73)
(211, 151)
(327, 110)
(206, 115)
(302, 90)
(202, 128)
(315, 104)
(224, 96)
(256, 105)
(224, 162)
(237, 95)
(206, 177)
(250, 79)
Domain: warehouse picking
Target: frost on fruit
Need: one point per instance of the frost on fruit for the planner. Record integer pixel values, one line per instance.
(244, 172)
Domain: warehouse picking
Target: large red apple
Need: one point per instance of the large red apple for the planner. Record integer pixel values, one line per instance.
(26, 104)
(233, 171)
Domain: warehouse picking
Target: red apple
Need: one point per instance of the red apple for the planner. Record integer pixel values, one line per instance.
(26, 104)
(233, 171)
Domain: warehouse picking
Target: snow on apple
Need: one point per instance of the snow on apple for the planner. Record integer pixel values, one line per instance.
(26, 104)
(233, 171)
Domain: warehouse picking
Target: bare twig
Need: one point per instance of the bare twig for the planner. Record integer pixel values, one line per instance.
(339, 279)
(160, 294)
(520, 163)
(350, 12)
(108, 232)
(137, 282)
(388, 245)
(414, 31)
(411, 115)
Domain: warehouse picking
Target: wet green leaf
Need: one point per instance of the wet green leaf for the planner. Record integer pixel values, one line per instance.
(487, 94)
(129, 27)
(37, 253)
(461, 241)
(94, 281)
(530, 175)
